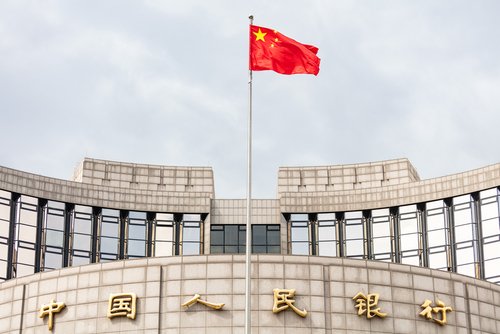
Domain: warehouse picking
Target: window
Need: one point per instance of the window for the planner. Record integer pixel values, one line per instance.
(81, 235)
(232, 239)
(465, 234)
(136, 235)
(53, 235)
(437, 234)
(191, 234)
(327, 243)
(4, 232)
(299, 234)
(110, 235)
(227, 239)
(266, 239)
(164, 244)
(489, 201)
(354, 235)
(382, 235)
(25, 236)
(410, 226)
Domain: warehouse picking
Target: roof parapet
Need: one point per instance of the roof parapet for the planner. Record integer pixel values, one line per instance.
(147, 177)
(346, 177)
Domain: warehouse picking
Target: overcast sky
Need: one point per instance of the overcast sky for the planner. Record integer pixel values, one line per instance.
(165, 82)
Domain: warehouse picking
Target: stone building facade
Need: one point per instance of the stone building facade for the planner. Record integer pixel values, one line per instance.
(332, 232)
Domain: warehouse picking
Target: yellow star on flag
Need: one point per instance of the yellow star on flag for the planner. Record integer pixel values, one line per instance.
(260, 35)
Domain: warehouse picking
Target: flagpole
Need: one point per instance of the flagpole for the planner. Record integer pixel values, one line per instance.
(248, 250)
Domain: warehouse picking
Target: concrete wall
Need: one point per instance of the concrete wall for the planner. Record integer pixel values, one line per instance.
(323, 197)
(145, 177)
(324, 287)
(346, 177)
(185, 200)
(300, 189)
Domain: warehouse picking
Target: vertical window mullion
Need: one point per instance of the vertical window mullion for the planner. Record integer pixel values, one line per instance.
(451, 247)
(313, 219)
(41, 216)
(395, 235)
(14, 217)
(423, 235)
(150, 217)
(339, 216)
(122, 234)
(69, 208)
(367, 235)
(178, 233)
(477, 239)
(96, 234)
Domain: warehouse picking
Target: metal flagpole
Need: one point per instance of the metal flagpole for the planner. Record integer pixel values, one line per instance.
(248, 249)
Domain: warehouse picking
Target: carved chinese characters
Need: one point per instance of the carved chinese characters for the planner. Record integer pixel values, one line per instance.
(197, 299)
(49, 310)
(122, 305)
(367, 305)
(440, 309)
(283, 299)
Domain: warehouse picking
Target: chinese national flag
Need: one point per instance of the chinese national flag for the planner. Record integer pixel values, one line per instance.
(270, 50)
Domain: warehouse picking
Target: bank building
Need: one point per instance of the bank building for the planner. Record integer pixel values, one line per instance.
(361, 248)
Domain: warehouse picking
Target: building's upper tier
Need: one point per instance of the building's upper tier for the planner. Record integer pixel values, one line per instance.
(338, 188)
(346, 177)
(145, 177)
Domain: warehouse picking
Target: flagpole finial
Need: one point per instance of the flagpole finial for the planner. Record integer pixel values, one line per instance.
(251, 17)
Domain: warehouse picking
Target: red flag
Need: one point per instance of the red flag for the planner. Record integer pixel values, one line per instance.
(270, 50)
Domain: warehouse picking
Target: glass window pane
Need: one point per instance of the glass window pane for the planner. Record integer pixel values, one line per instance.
(82, 223)
(300, 233)
(190, 248)
(52, 260)
(438, 258)
(259, 235)
(273, 235)
(274, 249)
(164, 233)
(164, 249)
(78, 261)
(492, 268)
(190, 233)
(242, 237)
(109, 245)
(259, 249)
(354, 248)
(327, 249)
(231, 235)
(27, 233)
(54, 238)
(326, 233)
(216, 237)
(354, 231)
(109, 229)
(300, 248)
(216, 249)
(137, 232)
(230, 249)
(81, 242)
(136, 248)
